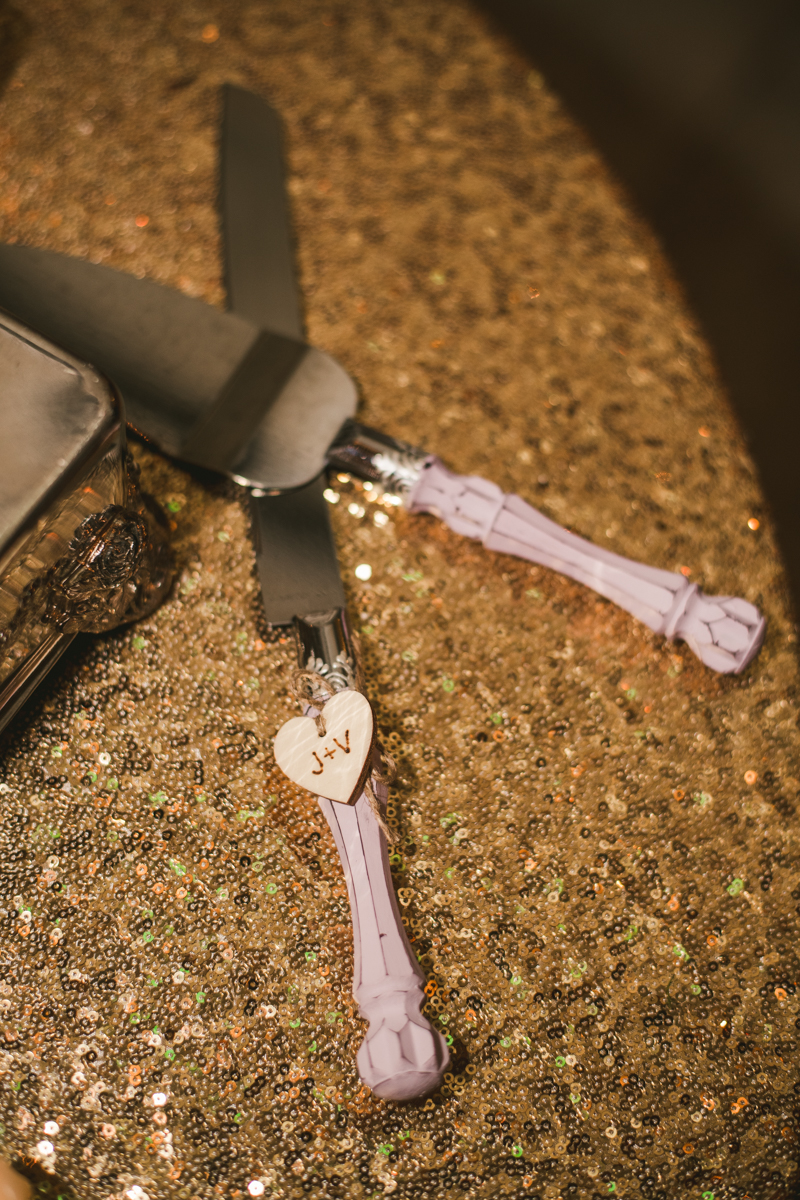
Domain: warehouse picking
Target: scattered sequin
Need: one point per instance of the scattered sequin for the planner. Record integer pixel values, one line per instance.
(603, 916)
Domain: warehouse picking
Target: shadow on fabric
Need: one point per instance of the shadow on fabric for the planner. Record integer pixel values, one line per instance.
(696, 107)
(14, 31)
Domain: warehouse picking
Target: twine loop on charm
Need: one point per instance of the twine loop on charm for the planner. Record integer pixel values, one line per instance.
(375, 778)
(389, 775)
(377, 812)
(309, 687)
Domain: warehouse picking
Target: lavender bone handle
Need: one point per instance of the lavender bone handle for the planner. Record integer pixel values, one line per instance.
(402, 1056)
(723, 631)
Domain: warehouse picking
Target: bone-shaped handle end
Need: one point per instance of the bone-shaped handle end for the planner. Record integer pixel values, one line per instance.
(723, 631)
(402, 1057)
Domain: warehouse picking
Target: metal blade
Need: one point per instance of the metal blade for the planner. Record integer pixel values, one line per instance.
(203, 385)
(296, 556)
(260, 275)
(295, 553)
(261, 279)
(168, 354)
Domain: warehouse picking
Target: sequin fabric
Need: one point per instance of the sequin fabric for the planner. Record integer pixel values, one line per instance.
(598, 855)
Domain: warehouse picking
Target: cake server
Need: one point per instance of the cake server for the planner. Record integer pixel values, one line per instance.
(289, 408)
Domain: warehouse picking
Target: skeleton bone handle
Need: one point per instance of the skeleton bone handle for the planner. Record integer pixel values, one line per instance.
(724, 632)
(402, 1056)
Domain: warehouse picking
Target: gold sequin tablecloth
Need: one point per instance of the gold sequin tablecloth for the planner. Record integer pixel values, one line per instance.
(598, 860)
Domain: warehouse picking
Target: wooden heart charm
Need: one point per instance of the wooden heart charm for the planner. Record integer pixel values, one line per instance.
(333, 766)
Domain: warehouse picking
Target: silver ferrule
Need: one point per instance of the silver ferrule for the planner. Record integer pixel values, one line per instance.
(324, 645)
(390, 465)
